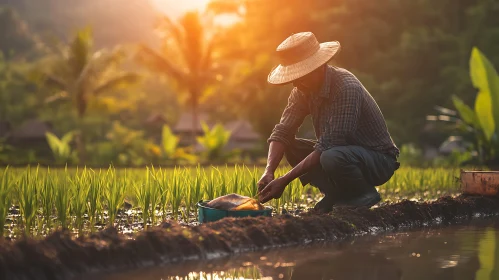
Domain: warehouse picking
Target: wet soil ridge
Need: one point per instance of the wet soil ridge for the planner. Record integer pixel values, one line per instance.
(61, 257)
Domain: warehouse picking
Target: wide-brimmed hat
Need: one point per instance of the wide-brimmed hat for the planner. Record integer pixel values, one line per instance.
(299, 55)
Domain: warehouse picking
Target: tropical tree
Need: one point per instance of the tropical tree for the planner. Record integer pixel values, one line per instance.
(187, 57)
(479, 126)
(80, 75)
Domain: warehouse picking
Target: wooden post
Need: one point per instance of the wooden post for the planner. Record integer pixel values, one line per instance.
(480, 182)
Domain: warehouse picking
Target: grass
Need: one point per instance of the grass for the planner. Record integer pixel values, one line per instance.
(82, 199)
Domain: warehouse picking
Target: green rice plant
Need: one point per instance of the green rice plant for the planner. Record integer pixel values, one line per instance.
(78, 205)
(235, 180)
(63, 199)
(47, 198)
(114, 194)
(223, 190)
(143, 197)
(154, 189)
(210, 183)
(252, 184)
(297, 193)
(176, 192)
(94, 197)
(6, 187)
(27, 196)
(162, 181)
(195, 193)
(187, 194)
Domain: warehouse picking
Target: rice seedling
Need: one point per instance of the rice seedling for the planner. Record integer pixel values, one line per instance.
(114, 195)
(252, 183)
(63, 200)
(210, 185)
(76, 193)
(176, 192)
(235, 180)
(27, 195)
(195, 194)
(94, 194)
(187, 193)
(155, 193)
(47, 198)
(143, 197)
(78, 205)
(162, 181)
(5, 198)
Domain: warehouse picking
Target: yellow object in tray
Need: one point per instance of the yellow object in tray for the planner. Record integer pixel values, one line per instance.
(235, 202)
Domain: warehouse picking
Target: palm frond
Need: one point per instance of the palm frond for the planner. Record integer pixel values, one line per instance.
(79, 51)
(117, 82)
(157, 62)
(62, 95)
(53, 81)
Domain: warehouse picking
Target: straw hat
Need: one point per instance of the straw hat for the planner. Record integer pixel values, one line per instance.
(299, 55)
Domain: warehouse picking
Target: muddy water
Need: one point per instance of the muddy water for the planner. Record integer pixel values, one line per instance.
(466, 251)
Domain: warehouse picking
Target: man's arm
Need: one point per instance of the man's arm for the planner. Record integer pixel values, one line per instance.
(283, 134)
(275, 188)
(276, 152)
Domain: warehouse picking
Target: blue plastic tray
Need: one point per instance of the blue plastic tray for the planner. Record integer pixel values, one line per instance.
(207, 214)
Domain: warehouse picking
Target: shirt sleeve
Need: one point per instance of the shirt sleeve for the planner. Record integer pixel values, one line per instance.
(342, 121)
(291, 119)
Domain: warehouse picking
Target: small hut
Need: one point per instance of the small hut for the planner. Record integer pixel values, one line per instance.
(243, 136)
(31, 136)
(183, 128)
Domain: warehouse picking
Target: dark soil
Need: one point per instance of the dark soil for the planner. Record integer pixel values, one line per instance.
(59, 256)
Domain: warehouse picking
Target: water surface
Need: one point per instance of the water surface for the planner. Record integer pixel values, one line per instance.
(468, 251)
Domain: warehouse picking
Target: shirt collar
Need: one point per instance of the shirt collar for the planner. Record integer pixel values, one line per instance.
(326, 86)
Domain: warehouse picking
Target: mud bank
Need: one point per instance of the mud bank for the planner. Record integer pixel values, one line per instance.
(61, 257)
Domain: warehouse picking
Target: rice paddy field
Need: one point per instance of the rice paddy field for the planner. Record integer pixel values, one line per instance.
(36, 201)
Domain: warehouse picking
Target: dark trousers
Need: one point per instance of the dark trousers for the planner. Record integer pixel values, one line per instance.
(345, 171)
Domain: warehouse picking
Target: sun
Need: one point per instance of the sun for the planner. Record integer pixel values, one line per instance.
(175, 8)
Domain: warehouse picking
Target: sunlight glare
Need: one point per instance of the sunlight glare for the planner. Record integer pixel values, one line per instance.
(175, 8)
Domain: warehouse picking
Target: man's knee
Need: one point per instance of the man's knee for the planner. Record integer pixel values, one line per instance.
(334, 159)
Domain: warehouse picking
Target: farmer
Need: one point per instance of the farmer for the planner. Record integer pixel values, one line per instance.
(354, 151)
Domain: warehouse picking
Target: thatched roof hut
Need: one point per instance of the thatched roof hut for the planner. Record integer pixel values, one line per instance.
(184, 124)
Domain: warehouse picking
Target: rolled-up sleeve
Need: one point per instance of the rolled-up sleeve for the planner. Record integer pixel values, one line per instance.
(342, 121)
(292, 118)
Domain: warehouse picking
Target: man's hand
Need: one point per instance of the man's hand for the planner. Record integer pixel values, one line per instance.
(273, 190)
(266, 178)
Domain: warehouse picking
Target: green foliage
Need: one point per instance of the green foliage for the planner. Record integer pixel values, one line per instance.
(169, 142)
(63, 200)
(214, 140)
(114, 195)
(27, 196)
(47, 198)
(61, 148)
(6, 187)
(129, 145)
(173, 192)
(478, 125)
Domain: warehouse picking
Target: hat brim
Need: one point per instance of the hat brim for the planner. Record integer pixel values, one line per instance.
(286, 74)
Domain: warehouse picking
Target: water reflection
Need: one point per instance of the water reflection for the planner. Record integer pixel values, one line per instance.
(458, 252)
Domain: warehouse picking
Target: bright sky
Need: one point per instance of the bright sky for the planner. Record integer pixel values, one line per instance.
(174, 8)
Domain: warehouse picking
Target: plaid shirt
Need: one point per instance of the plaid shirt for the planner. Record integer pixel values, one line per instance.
(343, 113)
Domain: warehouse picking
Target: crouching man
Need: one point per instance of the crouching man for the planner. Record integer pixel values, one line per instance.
(353, 152)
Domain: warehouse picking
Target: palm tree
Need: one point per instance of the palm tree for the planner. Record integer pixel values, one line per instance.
(186, 56)
(80, 74)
